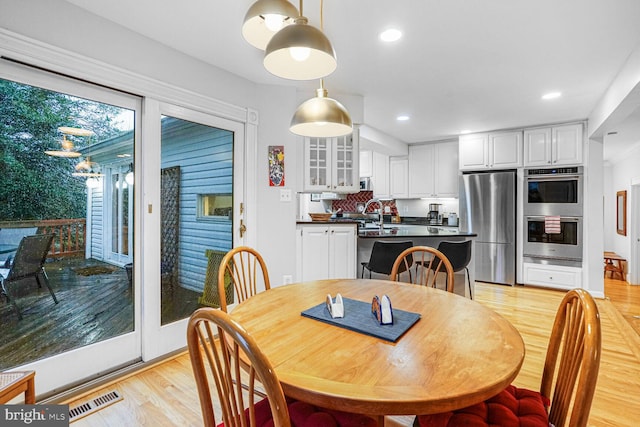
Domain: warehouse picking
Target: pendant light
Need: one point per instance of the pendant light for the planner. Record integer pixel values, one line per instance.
(66, 151)
(265, 18)
(67, 145)
(321, 117)
(300, 51)
(87, 168)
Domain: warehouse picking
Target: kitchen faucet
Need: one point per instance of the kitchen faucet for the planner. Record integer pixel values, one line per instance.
(381, 217)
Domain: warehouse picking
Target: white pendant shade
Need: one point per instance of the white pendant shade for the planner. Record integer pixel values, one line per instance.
(265, 18)
(300, 52)
(67, 149)
(321, 117)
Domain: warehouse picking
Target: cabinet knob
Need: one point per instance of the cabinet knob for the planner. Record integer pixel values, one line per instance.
(550, 277)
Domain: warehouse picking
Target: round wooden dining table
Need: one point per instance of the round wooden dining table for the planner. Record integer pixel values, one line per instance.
(457, 354)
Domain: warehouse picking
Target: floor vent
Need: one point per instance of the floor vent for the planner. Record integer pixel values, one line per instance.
(93, 405)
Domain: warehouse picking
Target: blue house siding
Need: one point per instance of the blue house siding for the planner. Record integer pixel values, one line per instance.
(205, 157)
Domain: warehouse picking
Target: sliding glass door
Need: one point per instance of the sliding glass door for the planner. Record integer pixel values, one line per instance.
(66, 148)
(196, 208)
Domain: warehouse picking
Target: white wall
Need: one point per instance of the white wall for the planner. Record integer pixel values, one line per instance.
(618, 178)
(276, 221)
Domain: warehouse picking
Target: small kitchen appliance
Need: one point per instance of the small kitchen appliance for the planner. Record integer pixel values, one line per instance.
(434, 216)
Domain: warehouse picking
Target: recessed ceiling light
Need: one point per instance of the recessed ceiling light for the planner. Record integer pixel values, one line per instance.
(390, 35)
(402, 118)
(465, 131)
(552, 95)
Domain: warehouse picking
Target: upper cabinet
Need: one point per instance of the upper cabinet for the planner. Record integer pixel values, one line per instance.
(380, 175)
(366, 164)
(550, 146)
(332, 164)
(433, 170)
(499, 150)
(398, 177)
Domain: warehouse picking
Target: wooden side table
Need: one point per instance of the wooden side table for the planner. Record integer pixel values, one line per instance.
(14, 383)
(613, 263)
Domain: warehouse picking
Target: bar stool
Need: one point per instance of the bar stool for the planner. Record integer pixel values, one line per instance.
(459, 254)
(383, 255)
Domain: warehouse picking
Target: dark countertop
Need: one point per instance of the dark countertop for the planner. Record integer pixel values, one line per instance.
(400, 230)
(330, 221)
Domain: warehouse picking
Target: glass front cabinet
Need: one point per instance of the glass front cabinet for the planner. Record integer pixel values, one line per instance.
(332, 164)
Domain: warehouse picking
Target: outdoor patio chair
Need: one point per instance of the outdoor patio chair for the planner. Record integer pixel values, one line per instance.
(28, 263)
(10, 239)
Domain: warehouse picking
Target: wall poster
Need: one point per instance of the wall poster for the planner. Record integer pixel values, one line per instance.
(276, 165)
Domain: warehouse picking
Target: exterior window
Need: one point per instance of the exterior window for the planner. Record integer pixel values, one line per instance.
(215, 207)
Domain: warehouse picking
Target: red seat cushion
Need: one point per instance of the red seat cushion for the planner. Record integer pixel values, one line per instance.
(513, 407)
(306, 415)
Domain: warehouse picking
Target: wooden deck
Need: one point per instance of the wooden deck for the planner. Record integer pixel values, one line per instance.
(91, 309)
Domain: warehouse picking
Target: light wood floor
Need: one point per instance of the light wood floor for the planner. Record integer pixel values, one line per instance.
(165, 395)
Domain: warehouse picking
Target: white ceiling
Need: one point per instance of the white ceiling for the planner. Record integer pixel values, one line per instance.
(461, 64)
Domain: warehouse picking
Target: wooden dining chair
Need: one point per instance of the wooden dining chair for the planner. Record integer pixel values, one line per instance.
(431, 266)
(568, 379)
(224, 355)
(246, 269)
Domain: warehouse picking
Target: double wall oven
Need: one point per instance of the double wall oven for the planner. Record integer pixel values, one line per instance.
(553, 215)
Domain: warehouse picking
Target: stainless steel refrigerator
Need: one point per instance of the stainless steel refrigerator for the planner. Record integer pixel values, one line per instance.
(488, 208)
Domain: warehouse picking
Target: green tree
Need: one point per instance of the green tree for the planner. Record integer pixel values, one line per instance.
(34, 185)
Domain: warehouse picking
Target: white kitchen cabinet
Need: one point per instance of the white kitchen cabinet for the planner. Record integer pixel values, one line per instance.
(366, 164)
(398, 178)
(332, 164)
(551, 146)
(380, 176)
(326, 251)
(499, 150)
(433, 170)
(552, 276)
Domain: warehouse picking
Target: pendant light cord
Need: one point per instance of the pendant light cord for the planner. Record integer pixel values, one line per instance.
(301, 11)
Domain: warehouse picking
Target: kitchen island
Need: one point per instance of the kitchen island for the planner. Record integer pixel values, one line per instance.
(420, 235)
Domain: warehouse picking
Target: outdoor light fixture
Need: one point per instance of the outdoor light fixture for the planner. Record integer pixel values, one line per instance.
(265, 18)
(129, 178)
(321, 116)
(300, 51)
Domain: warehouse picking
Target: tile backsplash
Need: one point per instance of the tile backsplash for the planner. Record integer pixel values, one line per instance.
(351, 202)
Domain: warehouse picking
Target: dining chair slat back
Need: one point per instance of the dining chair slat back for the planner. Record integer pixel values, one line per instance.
(222, 352)
(568, 380)
(248, 272)
(432, 267)
(217, 344)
